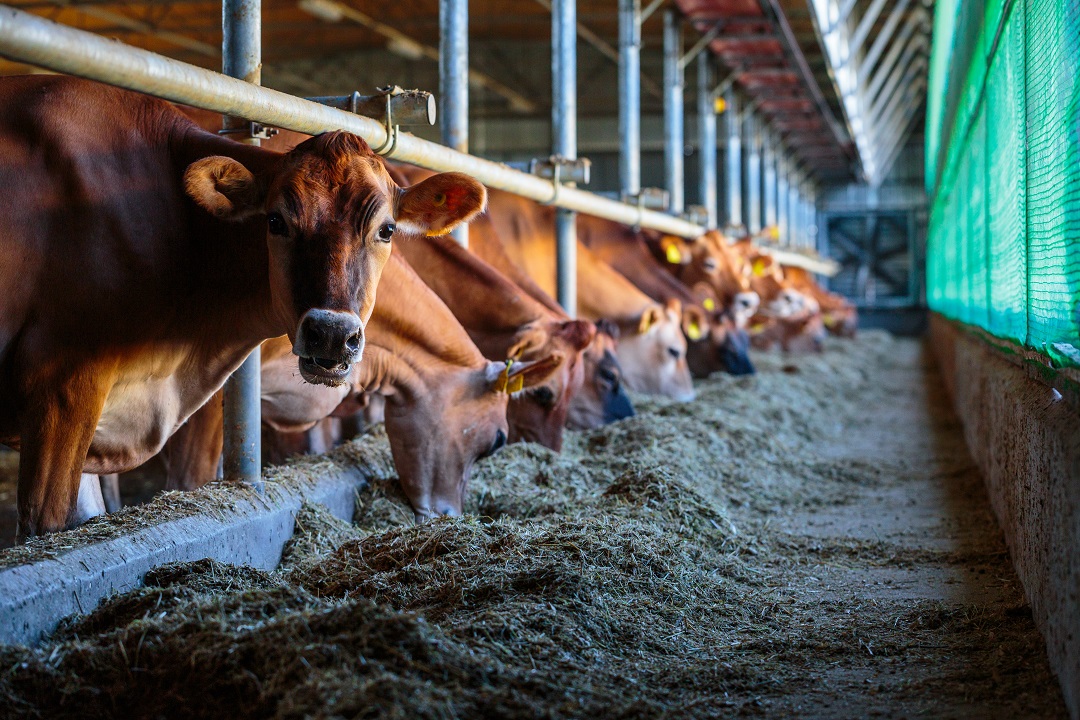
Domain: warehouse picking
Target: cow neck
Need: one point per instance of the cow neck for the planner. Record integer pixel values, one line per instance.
(631, 257)
(233, 283)
(491, 308)
(413, 326)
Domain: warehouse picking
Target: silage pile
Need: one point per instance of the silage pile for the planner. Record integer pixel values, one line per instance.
(626, 577)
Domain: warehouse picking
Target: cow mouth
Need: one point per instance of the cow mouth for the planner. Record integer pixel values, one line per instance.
(323, 371)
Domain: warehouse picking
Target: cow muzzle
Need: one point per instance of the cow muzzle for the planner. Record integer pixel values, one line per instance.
(328, 342)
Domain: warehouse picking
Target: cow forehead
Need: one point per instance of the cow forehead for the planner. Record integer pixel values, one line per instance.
(316, 187)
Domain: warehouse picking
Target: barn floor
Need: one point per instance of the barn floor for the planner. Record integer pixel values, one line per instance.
(812, 542)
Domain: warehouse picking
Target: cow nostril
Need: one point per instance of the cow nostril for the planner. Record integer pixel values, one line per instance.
(314, 335)
(353, 343)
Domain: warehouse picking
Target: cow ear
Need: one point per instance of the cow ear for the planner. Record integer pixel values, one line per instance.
(528, 339)
(440, 203)
(694, 325)
(649, 318)
(675, 250)
(514, 377)
(579, 334)
(223, 187)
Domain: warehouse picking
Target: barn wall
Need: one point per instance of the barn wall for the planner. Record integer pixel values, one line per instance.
(1022, 425)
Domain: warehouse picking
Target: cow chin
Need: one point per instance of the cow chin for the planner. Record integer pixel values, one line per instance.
(318, 371)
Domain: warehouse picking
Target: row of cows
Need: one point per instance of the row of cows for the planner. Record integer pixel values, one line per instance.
(144, 256)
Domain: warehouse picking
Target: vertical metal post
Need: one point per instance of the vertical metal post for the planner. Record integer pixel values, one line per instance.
(241, 57)
(733, 161)
(673, 110)
(793, 209)
(753, 175)
(706, 108)
(564, 141)
(630, 96)
(783, 221)
(768, 161)
(454, 83)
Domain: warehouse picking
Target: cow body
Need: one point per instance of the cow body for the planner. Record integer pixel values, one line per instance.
(139, 271)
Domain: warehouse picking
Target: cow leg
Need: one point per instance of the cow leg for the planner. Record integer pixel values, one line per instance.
(56, 433)
(90, 502)
(110, 492)
(193, 452)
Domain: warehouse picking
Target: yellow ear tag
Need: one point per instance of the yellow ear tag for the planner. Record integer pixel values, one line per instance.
(516, 384)
(719, 105)
(757, 329)
(759, 267)
(828, 319)
(440, 200)
(709, 304)
(673, 255)
(507, 384)
(693, 331)
(774, 232)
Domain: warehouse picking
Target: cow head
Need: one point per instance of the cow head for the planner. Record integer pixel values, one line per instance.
(652, 353)
(435, 439)
(539, 414)
(603, 397)
(331, 213)
(726, 346)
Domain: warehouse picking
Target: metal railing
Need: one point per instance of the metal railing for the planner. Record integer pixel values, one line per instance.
(36, 41)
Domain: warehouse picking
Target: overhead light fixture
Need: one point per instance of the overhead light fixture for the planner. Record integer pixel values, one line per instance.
(325, 10)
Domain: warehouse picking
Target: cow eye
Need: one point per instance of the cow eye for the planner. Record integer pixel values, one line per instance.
(674, 352)
(386, 231)
(710, 264)
(276, 224)
(544, 396)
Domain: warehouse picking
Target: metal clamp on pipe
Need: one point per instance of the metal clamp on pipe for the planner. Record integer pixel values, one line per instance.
(251, 130)
(561, 170)
(697, 214)
(408, 107)
(649, 198)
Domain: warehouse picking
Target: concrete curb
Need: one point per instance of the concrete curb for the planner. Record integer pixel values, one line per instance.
(36, 596)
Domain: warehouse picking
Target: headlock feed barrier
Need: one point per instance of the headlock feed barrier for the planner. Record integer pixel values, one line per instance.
(1003, 170)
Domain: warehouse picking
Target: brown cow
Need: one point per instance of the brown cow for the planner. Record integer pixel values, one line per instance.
(504, 322)
(603, 398)
(709, 259)
(651, 347)
(446, 404)
(713, 341)
(839, 316)
(144, 258)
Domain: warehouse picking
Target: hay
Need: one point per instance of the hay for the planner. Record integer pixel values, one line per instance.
(639, 574)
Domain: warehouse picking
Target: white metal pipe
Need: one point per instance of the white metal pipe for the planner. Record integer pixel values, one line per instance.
(706, 138)
(733, 160)
(454, 83)
(630, 96)
(673, 111)
(241, 58)
(882, 39)
(564, 141)
(918, 19)
(866, 24)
